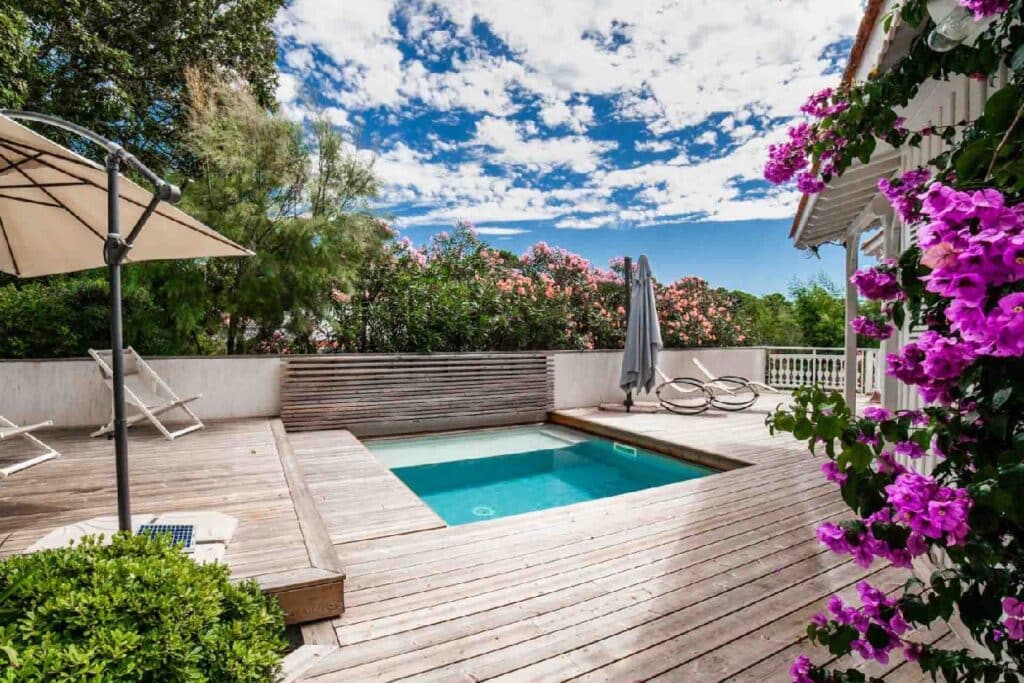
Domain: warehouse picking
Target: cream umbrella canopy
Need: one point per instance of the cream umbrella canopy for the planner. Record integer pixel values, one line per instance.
(61, 212)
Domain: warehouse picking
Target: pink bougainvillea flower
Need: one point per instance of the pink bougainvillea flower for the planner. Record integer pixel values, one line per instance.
(986, 8)
(969, 320)
(800, 672)
(939, 255)
(1007, 322)
(877, 284)
(870, 327)
(877, 413)
(831, 471)
(909, 449)
(818, 106)
(808, 183)
(1013, 618)
(903, 193)
(1013, 257)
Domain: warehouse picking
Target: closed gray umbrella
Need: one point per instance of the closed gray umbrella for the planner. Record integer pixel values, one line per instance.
(643, 336)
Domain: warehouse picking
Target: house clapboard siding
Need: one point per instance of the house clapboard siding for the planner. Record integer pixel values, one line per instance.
(939, 103)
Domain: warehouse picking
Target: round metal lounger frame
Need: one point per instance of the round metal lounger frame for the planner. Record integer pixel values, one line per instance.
(674, 405)
(735, 399)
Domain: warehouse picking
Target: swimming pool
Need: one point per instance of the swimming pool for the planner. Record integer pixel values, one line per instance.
(476, 476)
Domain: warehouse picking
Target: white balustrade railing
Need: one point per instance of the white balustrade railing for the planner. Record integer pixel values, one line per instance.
(790, 367)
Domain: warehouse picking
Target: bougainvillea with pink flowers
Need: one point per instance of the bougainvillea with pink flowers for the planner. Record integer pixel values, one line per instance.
(937, 489)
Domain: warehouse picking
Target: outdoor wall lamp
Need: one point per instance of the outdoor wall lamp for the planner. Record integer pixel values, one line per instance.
(954, 25)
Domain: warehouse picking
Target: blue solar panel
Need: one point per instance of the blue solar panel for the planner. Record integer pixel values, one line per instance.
(181, 534)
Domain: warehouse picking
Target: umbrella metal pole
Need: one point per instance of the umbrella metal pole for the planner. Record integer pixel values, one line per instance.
(115, 249)
(627, 270)
(114, 254)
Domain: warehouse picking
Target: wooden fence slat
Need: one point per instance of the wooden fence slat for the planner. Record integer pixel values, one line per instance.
(383, 394)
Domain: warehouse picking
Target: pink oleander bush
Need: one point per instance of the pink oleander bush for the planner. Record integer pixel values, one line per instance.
(459, 294)
(961, 287)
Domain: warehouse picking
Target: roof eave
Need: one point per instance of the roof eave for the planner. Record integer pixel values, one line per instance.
(864, 32)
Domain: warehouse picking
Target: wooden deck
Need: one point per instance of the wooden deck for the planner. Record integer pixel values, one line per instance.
(706, 580)
(358, 497)
(712, 579)
(230, 467)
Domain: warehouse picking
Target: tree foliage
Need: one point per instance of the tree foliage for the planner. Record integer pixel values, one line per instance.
(767, 320)
(119, 67)
(458, 294)
(819, 308)
(65, 315)
(306, 223)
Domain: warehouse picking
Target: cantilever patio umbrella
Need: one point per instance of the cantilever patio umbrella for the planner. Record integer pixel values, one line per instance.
(643, 334)
(60, 212)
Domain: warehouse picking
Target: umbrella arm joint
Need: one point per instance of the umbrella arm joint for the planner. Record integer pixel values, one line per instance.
(115, 249)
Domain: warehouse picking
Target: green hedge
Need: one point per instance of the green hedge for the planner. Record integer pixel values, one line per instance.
(135, 610)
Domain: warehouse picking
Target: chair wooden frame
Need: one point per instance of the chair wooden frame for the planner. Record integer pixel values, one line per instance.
(146, 411)
(10, 430)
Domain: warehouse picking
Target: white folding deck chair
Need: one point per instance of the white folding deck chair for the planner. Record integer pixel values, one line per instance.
(146, 392)
(9, 430)
(714, 381)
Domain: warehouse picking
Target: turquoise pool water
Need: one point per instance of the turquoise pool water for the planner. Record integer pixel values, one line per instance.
(561, 467)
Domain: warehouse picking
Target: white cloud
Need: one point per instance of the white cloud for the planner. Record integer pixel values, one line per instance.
(653, 145)
(287, 87)
(478, 85)
(337, 116)
(499, 232)
(592, 223)
(682, 61)
(577, 117)
(358, 36)
(708, 137)
(510, 146)
(676, 67)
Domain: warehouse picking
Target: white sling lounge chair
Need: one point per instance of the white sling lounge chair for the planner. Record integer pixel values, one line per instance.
(9, 430)
(146, 393)
(712, 380)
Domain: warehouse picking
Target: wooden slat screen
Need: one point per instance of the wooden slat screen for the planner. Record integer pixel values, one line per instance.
(384, 394)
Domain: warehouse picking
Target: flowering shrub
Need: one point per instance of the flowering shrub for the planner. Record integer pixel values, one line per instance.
(964, 283)
(458, 294)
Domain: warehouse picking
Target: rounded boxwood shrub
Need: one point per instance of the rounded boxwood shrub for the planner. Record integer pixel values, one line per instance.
(138, 609)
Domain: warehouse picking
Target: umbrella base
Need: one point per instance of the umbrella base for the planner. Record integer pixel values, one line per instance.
(637, 407)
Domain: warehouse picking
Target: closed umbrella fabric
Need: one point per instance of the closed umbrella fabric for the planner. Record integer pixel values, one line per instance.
(643, 335)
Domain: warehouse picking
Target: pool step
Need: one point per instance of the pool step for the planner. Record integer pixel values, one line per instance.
(316, 592)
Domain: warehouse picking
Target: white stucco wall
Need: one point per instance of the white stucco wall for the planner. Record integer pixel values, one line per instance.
(589, 378)
(71, 393)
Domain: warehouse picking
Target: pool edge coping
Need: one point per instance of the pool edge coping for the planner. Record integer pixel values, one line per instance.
(716, 461)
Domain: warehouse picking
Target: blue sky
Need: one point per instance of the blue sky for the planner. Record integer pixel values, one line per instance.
(608, 127)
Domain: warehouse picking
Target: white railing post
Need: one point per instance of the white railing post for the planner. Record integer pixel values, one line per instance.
(789, 367)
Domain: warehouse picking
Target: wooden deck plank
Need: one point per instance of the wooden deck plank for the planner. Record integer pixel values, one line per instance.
(422, 609)
(709, 579)
(564, 609)
(702, 580)
(358, 497)
(232, 467)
